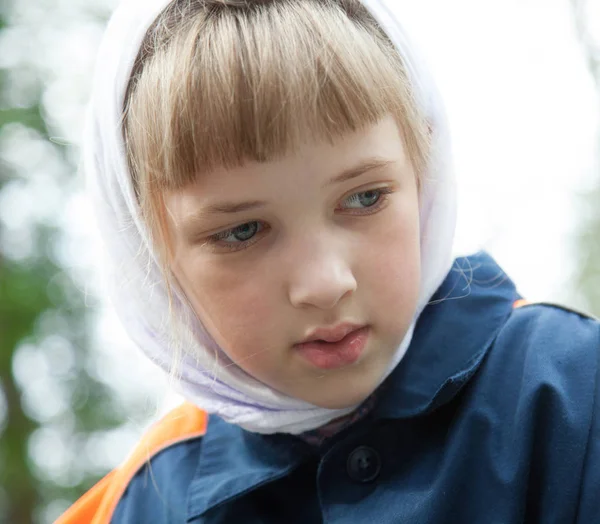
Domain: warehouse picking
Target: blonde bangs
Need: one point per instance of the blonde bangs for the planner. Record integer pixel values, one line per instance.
(220, 83)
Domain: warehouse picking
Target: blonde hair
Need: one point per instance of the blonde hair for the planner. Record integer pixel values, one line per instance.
(220, 82)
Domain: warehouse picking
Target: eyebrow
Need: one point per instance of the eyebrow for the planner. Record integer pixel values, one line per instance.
(233, 207)
(348, 174)
(366, 165)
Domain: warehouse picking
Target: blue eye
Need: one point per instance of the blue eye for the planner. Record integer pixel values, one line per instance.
(364, 199)
(245, 231)
(241, 233)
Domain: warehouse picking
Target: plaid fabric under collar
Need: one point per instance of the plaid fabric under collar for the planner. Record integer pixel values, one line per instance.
(318, 436)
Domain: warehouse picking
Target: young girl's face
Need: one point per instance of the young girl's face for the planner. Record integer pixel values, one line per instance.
(325, 238)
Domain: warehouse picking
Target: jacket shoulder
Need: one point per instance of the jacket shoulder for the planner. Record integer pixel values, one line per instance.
(524, 304)
(551, 342)
(182, 428)
(542, 372)
(554, 331)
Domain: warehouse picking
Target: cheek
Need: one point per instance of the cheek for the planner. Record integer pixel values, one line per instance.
(234, 305)
(393, 266)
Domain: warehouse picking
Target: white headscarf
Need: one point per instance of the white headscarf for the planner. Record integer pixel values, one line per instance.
(135, 281)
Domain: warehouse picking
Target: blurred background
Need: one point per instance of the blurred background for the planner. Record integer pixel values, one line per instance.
(521, 80)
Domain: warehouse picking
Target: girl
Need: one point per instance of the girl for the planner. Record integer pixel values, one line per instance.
(273, 183)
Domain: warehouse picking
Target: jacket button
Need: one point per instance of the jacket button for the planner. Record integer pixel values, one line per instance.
(364, 464)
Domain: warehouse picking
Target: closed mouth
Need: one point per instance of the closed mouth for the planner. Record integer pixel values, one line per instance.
(331, 334)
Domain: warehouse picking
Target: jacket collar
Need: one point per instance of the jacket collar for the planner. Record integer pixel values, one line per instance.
(451, 338)
(233, 461)
(447, 348)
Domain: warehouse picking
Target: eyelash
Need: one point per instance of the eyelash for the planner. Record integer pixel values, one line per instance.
(383, 193)
(216, 240)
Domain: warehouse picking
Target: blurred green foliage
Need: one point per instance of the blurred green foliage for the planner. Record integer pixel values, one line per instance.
(588, 277)
(45, 453)
(588, 238)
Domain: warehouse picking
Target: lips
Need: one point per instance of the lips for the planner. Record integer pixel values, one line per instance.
(331, 334)
(335, 347)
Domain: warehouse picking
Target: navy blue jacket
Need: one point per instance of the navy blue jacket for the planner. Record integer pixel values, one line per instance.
(491, 417)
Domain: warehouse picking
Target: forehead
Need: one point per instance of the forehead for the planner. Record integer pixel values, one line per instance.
(313, 162)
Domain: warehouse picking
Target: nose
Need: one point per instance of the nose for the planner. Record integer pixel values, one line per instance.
(320, 278)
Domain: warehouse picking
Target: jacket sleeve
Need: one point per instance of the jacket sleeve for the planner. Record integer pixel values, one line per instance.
(562, 374)
(589, 501)
(98, 505)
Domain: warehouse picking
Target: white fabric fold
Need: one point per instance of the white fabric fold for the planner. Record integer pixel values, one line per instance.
(136, 286)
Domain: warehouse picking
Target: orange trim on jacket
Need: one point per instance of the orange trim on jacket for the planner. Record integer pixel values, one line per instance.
(99, 503)
(521, 302)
